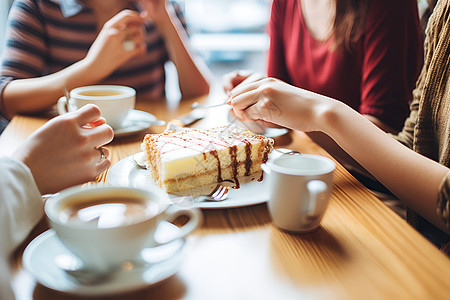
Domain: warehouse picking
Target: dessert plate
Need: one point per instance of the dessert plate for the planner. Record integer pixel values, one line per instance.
(136, 121)
(251, 191)
(162, 262)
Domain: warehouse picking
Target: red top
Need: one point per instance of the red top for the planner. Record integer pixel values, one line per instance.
(377, 78)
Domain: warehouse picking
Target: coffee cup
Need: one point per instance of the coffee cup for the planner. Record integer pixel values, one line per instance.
(105, 226)
(114, 101)
(300, 189)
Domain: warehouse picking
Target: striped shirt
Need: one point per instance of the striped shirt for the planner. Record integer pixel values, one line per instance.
(45, 36)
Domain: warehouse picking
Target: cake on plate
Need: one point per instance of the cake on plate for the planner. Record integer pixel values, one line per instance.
(185, 159)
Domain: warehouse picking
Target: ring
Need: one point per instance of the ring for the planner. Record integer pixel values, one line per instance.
(102, 154)
(128, 45)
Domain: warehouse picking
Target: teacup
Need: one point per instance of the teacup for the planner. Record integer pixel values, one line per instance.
(105, 226)
(300, 189)
(114, 101)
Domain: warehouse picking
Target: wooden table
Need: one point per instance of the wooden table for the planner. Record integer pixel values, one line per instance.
(362, 251)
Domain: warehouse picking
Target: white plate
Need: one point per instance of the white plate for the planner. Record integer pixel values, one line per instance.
(136, 121)
(251, 191)
(163, 262)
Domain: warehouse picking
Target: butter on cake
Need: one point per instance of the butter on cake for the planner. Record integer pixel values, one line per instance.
(180, 160)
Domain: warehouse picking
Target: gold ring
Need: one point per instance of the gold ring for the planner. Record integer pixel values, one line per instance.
(102, 154)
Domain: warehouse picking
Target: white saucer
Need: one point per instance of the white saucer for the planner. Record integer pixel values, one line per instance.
(163, 262)
(136, 121)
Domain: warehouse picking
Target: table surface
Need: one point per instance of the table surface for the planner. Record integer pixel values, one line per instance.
(362, 250)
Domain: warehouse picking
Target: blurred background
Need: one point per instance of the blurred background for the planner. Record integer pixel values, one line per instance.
(228, 35)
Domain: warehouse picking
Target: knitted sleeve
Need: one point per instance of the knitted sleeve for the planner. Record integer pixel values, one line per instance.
(443, 202)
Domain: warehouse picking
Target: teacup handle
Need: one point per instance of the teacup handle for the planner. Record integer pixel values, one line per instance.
(172, 213)
(315, 188)
(62, 105)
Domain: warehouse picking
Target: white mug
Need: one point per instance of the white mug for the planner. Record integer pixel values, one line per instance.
(114, 101)
(300, 188)
(104, 226)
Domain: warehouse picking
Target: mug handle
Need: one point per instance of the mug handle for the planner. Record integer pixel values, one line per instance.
(62, 105)
(172, 213)
(315, 188)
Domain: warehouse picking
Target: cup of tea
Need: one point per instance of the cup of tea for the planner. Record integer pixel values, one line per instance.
(300, 189)
(114, 101)
(105, 226)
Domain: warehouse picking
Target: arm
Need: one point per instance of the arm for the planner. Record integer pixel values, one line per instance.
(412, 177)
(60, 154)
(20, 210)
(191, 71)
(25, 62)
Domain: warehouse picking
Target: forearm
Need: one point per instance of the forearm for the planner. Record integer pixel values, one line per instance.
(36, 94)
(192, 73)
(413, 178)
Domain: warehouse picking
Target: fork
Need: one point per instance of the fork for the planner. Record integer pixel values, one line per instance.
(218, 194)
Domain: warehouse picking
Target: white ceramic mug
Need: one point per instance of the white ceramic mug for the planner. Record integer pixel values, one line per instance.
(114, 101)
(103, 237)
(300, 188)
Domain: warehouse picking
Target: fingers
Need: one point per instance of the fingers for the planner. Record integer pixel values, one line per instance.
(231, 80)
(100, 135)
(89, 113)
(103, 161)
(243, 97)
(102, 166)
(135, 36)
(96, 123)
(124, 19)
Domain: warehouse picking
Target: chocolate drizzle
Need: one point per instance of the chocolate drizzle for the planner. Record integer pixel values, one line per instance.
(248, 158)
(234, 162)
(219, 169)
(261, 177)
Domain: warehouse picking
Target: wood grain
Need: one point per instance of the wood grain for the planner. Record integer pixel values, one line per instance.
(363, 250)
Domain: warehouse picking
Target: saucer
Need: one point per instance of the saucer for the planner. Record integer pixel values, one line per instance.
(162, 262)
(136, 121)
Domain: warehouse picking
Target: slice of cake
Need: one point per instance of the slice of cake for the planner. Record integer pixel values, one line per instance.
(180, 160)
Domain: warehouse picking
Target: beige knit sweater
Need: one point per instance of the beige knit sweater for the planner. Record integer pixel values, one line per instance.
(427, 129)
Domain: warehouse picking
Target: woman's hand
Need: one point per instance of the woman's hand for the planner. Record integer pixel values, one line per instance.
(65, 151)
(121, 38)
(273, 101)
(156, 10)
(233, 79)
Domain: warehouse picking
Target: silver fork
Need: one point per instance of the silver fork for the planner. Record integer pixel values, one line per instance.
(219, 193)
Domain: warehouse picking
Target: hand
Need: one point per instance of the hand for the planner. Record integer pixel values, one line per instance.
(233, 79)
(108, 53)
(64, 152)
(273, 101)
(155, 10)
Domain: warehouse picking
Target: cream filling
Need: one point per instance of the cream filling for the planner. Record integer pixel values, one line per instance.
(198, 163)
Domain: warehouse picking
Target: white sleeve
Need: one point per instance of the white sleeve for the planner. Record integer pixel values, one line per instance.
(21, 208)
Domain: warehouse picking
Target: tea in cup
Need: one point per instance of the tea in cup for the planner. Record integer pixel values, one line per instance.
(300, 189)
(114, 101)
(105, 226)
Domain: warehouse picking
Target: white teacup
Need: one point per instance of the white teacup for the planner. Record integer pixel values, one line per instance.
(104, 226)
(300, 189)
(114, 101)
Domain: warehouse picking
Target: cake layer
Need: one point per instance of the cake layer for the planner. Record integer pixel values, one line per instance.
(185, 159)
